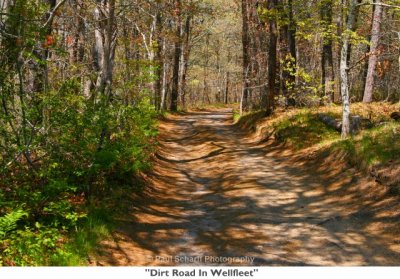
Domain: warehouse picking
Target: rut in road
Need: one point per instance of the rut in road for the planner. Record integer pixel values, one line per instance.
(215, 192)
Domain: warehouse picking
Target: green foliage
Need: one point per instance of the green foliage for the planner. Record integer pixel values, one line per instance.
(329, 33)
(289, 66)
(31, 246)
(248, 121)
(269, 14)
(74, 171)
(94, 227)
(355, 38)
(236, 116)
(63, 149)
(8, 222)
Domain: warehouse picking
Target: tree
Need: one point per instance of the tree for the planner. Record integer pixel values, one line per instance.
(246, 57)
(177, 56)
(327, 68)
(373, 55)
(185, 54)
(269, 102)
(344, 81)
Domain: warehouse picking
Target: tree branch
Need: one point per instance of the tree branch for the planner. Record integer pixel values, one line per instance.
(53, 14)
(380, 4)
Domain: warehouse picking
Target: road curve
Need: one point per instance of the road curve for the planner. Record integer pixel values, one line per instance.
(217, 198)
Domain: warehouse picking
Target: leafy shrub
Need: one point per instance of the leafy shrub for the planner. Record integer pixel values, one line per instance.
(31, 246)
(74, 167)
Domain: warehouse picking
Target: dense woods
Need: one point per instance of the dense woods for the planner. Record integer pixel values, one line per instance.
(319, 53)
(83, 82)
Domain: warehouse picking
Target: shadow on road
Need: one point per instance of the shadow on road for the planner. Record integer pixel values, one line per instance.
(214, 193)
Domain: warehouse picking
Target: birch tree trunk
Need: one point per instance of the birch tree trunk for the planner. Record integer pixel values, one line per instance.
(344, 83)
(160, 64)
(165, 70)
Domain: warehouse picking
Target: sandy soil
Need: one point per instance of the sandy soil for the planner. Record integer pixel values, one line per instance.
(216, 192)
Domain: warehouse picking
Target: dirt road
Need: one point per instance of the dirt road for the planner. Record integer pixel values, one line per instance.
(216, 196)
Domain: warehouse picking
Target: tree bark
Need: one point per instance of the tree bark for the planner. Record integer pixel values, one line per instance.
(372, 61)
(160, 65)
(292, 43)
(226, 97)
(344, 83)
(269, 103)
(185, 58)
(105, 44)
(287, 50)
(177, 57)
(165, 70)
(78, 50)
(353, 27)
(327, 69)
(244, 106)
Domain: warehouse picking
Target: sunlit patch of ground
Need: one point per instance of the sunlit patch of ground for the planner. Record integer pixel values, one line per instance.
(216, 191)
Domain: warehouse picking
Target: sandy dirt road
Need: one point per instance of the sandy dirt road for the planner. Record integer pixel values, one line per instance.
(217, 195)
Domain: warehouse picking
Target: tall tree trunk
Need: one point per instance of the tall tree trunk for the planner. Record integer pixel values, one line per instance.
(177, 56)
(372, 61)
(105, 45)
(40, 81)
(205, 72)
(269, 103)
(344, 83)
(152, 53)
(78, 50)
(246, 57)
(226, 88)
(98, 48)
(327, 69)
(287, 49)
(165, 70)
(285, 60)
(292, 43)
(160, 64)
(185, 58)
(353, 27)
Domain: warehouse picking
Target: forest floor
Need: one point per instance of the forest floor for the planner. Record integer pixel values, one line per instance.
(217, 191)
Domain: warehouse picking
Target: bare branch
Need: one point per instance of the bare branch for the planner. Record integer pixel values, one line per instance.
(53, 14)
(379, 4)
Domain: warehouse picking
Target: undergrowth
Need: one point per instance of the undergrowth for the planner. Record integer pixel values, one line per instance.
(56, 213)
(301, 129)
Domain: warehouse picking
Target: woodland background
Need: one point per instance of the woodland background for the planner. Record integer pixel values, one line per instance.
(82, 83)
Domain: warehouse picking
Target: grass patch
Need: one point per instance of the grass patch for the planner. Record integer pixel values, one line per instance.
(301, 129)
(212, 106)
(84, 241)
(380, 145)
(236, 116)
(248, 121)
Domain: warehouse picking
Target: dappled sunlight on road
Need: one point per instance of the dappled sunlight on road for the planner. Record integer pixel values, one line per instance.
(215, 192)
